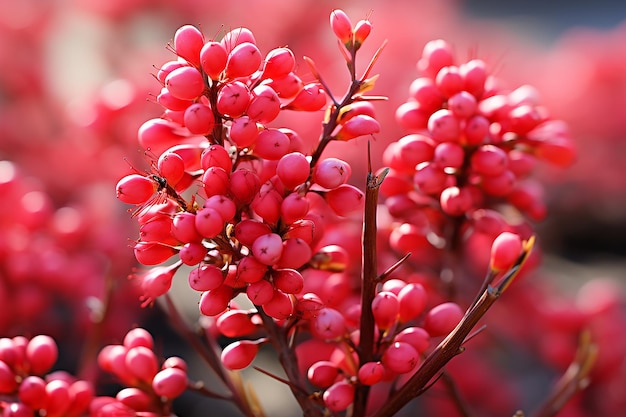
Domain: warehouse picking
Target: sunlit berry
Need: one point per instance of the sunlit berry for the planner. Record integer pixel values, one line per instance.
(505, 250)
(213, 58)
(135, 189)
(188, 41)
(371, 373)
(243, 60)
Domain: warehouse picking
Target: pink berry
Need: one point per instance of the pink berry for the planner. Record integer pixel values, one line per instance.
(435, 55)
(476, 130)
(213, 58)
(264, 105)
(235, 323)
(271, 144)
(442, 319)
(361, 31)
(243, 132)
(171, 167)
(345, 200)
(138, 337)
(185, 83)
(199, 119)
(268, 248)
(248, 230)
(294, 207)
(134, 398)
(444, 126)
(462, 104)
(135, 189)
(209, 222)
(412, 300)
(250, 270)
(280, 306)
(32, 392)
(171, 102)
(41, 353)
(456, 201)
(240, 354)
(8, 382)
(385, 307)
(188, 41)
(329, 324)
(449, 155)
(233, 99)
(339, 396)
(293, 169)
(244, 185)
(243, 60)
(505, 250)
(430, 178)
(205, 277)
(170, 382)
(341, 25)
(323, 373)
(223, 205)
(260, 292)
(237, 36)
(331, 172)
(371, 373)
(449, 81)
(216, 156)
(489, 160)
(288, 280)
(57, 397)
(192, 253)
(474, 73)
(416, 337)
(184, 227)
(360, 125)
(296, 253)
(400, 357)
(278, 63)
(311, 97)
(215, 301)
(287, 87)
(142, 363)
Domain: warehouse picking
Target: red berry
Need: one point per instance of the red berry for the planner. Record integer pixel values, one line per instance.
(170, 382)
(442, 319)
(505, 250)
(240, 354)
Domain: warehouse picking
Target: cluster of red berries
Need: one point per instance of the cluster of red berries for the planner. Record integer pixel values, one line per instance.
(28, 387)
(239, 201)
(150, 387)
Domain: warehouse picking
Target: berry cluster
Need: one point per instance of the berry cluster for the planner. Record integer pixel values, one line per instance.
(28, 387)
(241, 202)
(150, 387)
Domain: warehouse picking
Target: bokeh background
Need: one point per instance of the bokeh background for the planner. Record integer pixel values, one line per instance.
(76, 83)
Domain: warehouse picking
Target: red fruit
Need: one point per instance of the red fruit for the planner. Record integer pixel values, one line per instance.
(240, 354)
(271, 144)
(339, 396)
(505, 250)
(288, 280)
(280, 306)
(215, 301)
(260, 292)
(345, 200)
(264, 104)
(199, 119)
(310, 98)
(331, 172)
(360, 125)
(8, 383)
(135, 189)
(412, 299)
(41, 353)
(32, 392)
(323, 373)
(188, 41)
(416, 337)
(435, 55)
(233, 99)
(235, 323)
(293, 169)
(371, 373)
(213, 58)
(444, 126)
(278, 63)
(170, 382)
(185, 83)
(442, 319)
(400, 357)
(243, 60)
(268, 248)
(142, 363)
(171, 167)
(385, 307)
(138, 337)
(328, 324)
(341, 25)
(57, 398)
